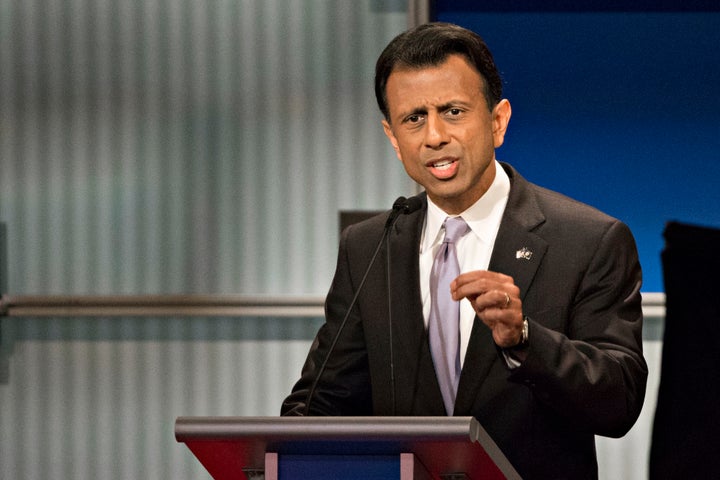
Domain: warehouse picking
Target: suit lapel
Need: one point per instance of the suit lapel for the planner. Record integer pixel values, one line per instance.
(517, 252)
(411, 348)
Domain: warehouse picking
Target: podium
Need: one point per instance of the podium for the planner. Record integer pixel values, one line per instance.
(292, 448)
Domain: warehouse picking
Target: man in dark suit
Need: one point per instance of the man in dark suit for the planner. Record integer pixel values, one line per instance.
(550, 312)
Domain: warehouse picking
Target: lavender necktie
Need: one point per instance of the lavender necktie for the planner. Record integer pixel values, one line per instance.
(444, 321)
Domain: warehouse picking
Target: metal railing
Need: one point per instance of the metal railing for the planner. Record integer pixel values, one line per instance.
(159, 305)
(194, 305)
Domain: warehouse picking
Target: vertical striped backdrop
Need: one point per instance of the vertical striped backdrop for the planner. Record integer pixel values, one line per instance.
(180, 146)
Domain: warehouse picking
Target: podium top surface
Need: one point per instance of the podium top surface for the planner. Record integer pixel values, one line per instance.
(328, 428)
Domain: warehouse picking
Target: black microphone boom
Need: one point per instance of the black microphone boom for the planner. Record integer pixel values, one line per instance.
(401, 206)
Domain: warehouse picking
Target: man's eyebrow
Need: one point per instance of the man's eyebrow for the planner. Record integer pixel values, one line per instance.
(453, 104)
(414, 111)
(441, 108)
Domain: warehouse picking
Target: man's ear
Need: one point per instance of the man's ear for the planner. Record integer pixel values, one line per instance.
(391, 136)
(500, 119)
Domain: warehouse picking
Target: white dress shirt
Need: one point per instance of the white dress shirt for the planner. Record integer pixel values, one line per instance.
(474, 248)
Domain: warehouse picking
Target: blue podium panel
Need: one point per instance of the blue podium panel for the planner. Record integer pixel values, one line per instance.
(332, 467)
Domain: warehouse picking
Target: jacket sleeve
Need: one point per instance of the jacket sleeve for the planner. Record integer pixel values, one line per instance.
(594, 373)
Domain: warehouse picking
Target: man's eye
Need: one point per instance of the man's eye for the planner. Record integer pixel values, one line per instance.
(413, 119)
(454, 111)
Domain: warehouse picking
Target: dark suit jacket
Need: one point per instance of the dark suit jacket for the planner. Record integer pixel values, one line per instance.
(579, 278)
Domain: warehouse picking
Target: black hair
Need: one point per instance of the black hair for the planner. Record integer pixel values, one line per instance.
(430, 44)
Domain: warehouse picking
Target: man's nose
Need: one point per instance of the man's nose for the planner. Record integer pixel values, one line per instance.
(436, 134)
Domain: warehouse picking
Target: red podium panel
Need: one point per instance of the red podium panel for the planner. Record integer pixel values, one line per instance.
(444, 447)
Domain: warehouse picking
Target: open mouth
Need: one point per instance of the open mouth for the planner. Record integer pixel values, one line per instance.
(443, 164)
(443, 168)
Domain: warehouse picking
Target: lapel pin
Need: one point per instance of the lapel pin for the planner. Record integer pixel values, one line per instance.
(523, 253)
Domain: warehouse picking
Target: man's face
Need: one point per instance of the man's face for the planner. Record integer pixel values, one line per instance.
(443, 131)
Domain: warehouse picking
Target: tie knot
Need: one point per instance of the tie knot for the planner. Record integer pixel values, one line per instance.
(455, 227)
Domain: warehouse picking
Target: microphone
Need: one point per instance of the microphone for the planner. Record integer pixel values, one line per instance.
(412, 204)
(401, 206)
(405, 206)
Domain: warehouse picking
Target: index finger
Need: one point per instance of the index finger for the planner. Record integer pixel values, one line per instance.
(471, 285)
(475, 275)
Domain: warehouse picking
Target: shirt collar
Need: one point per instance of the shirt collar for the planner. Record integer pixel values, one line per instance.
(483, 217)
